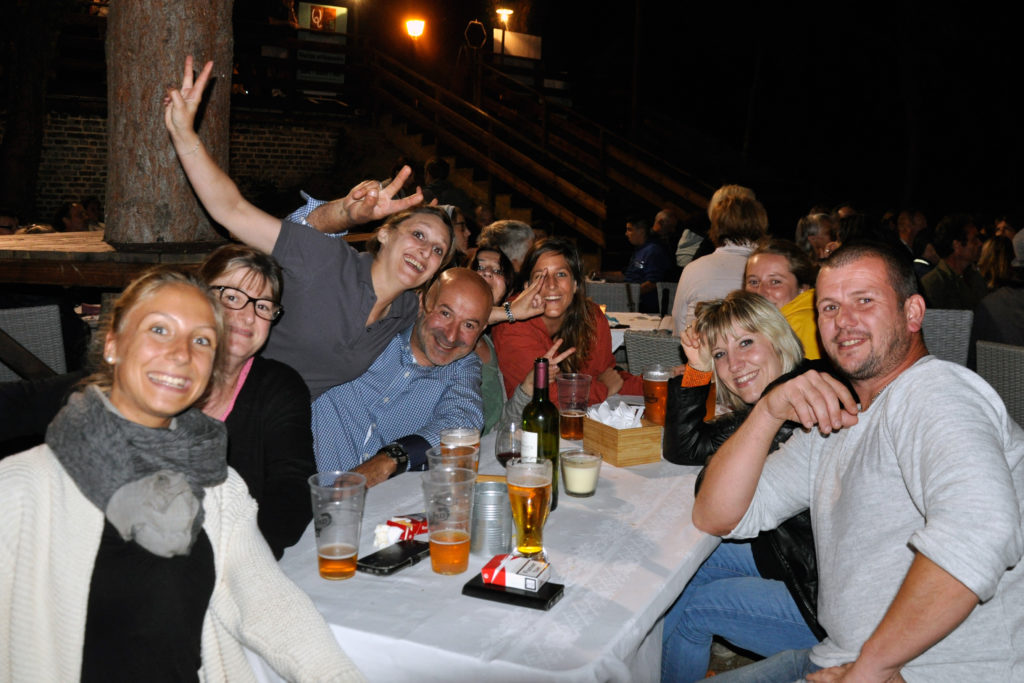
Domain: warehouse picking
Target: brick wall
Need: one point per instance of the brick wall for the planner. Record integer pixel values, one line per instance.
(73, 163)
(265, 157)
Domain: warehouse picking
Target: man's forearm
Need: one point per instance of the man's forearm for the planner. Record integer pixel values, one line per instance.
(930, 604)
(731, 476)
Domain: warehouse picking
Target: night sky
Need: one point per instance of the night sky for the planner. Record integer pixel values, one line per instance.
(885, 109)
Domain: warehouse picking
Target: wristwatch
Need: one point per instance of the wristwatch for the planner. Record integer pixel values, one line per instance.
(396, 452)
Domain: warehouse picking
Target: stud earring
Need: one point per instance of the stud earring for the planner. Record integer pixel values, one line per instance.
(110, 360)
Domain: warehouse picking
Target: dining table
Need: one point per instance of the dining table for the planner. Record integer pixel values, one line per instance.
(623, 555)
(620, 321)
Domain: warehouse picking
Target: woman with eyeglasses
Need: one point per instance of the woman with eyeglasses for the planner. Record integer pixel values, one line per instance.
(264, 403)
(496, 269)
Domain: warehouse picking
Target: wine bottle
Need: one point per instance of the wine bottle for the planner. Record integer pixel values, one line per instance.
(540, 426)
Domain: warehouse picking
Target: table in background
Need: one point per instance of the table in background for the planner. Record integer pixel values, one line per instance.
(637, 321)
(624, 556)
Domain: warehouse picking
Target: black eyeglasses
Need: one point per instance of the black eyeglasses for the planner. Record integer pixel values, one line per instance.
(489, 272)
(236, 300)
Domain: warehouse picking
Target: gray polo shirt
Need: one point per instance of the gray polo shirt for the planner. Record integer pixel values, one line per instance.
(327, 297)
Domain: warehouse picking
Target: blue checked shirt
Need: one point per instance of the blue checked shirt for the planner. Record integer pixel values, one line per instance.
(397, 399)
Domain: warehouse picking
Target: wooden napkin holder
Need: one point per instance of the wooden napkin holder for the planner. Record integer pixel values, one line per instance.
(623, 447)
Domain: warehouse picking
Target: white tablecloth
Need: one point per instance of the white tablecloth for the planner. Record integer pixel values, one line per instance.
(624, 555)
(637, 321)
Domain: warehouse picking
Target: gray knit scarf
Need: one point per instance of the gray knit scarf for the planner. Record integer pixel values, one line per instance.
(148, 482)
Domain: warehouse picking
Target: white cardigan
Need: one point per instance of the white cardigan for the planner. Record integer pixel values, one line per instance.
(49, 537)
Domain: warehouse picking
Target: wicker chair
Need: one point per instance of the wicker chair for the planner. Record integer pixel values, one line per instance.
(647, 348)
(1002, 366)
(37, 330)
(947, 334)
(616, 296)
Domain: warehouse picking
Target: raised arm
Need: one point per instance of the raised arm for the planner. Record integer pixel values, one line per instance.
(731, 477)
(217, 192)
(370, 200)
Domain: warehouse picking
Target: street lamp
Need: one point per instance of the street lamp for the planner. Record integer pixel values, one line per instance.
(414, 27)
(503, 15)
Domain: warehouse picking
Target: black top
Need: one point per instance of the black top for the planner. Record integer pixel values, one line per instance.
(270, 443)
(785, 553)
(145, 613)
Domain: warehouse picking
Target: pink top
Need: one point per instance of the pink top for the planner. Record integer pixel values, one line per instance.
(238, 387)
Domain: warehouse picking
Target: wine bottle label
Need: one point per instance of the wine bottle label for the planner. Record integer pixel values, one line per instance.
(529, 447)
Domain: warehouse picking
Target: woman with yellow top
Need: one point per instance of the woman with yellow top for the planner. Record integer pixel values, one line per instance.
(781, 272)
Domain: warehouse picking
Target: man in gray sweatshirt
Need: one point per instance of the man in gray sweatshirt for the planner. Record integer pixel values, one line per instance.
(915, 494)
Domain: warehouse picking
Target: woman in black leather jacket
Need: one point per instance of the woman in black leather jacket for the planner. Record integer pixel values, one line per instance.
(760, 594)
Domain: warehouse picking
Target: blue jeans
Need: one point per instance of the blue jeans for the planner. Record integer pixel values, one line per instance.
(727, 597)
(784, 667)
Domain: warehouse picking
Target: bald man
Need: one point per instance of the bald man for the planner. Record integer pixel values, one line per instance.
(426, 380)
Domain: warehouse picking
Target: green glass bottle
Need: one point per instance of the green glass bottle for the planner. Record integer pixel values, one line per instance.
(540, 426)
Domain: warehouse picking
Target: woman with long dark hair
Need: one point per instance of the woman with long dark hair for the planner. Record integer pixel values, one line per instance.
(568, 316)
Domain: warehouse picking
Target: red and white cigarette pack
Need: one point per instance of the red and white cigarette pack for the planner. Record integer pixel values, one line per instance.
(411, 525)
(516, 572)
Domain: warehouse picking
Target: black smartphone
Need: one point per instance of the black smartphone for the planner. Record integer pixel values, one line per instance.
(396, 556)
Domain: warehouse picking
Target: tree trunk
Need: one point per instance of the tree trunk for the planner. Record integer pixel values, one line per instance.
(150, 204)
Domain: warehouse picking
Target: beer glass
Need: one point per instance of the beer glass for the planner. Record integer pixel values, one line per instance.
(337, 518)
(529, 496)
(448, 494)
(463, 456)
(656, 393)
(573, 397)
(455, 439)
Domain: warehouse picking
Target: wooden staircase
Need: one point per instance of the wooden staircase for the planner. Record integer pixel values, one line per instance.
(525, 155)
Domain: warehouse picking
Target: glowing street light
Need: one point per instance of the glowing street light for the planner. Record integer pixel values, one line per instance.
(414, 27)
(503, 14)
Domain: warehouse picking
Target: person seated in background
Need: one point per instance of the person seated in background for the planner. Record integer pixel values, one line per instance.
(759, 595)
(514, 238)
(737, 223)
(263, 402)
(665, 227)
(915, 490)
(996, 262)
(815, 234)
(782, 273)
(8, 221)
(496, 270)
(437, 186)
(93, 213)
(1000, 315)
(692, 243)
(460, 236)
(648, 265)
(129, 548)
(568, 315)
(427, 379)
(70, 217)
(955, 282)
(1004, 227)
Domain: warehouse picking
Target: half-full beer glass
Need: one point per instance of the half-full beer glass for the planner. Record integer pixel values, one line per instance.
(529, 495)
